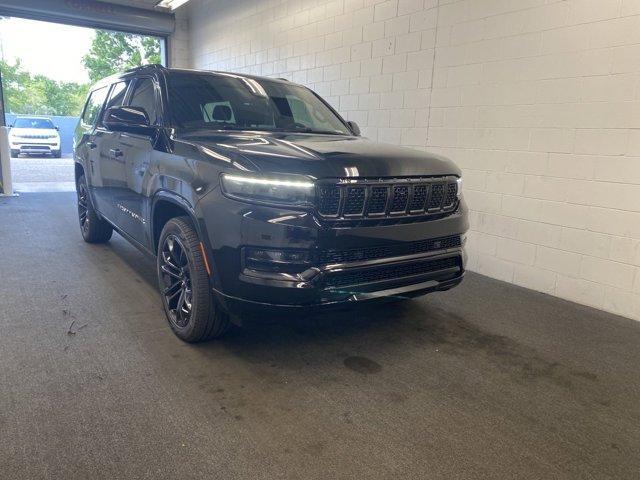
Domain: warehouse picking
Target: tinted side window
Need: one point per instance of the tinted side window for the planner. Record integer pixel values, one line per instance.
(116, 97)
(144, 96)
(93, 106)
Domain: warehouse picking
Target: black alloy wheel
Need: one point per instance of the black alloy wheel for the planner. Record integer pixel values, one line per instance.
(184, 277)
(176, 277)
(83, 208)
(94, 229)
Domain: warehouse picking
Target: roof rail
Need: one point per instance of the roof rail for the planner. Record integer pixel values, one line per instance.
(143, 67)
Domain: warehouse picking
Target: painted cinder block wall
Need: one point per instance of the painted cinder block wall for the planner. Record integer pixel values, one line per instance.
(537, 100)
(178, 44)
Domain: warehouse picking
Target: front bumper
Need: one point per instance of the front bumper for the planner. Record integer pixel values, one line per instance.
(231, 226)
(28, 146)
(322, 298)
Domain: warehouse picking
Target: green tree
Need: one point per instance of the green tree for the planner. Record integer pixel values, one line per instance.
(25, 93)
(113, 52)
(110, 52)
(14, 82)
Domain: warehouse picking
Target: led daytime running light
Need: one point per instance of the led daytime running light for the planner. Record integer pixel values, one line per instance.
(264, 181)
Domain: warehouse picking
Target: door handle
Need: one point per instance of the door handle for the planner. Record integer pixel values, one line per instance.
(91, 145)
(115, 152)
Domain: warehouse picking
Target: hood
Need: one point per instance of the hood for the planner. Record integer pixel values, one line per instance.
(320, 156)
(33, 131)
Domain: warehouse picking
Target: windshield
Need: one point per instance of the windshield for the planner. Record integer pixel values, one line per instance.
(233, 102)
(33, 123)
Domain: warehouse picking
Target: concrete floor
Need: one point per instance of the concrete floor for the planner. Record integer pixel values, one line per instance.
(42, 174)
(486, 381)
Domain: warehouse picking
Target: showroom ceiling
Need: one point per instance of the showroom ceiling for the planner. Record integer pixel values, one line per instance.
(136, 3)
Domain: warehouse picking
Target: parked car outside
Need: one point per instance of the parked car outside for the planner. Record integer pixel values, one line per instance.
(254, 195)
(34, 136)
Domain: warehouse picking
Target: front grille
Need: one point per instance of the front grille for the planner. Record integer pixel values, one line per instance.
(376, 198)
(387, 251)
(378, 201)
(39, 137)
(328, 199)
(437, 196)
(390, 272)
(354, 203)
(419, 197)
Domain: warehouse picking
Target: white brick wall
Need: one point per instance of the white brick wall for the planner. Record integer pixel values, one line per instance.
(537, 100)
(179, 41)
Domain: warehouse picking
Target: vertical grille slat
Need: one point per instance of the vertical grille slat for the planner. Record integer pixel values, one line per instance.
(418, 199)
(378, 200)
(451, 195)
(329, 201)
(351, 198)
(437, 196)
(354, 201)
(400, 199)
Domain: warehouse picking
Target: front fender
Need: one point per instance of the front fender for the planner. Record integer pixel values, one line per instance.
(196, 218)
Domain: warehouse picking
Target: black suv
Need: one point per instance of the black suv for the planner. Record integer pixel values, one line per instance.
(254, 194)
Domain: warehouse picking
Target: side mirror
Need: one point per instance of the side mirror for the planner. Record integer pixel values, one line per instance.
(57, 128)
(128, 120)
(355, 129)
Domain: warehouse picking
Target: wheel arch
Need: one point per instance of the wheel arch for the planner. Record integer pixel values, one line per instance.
(78, 170)
(165, 206)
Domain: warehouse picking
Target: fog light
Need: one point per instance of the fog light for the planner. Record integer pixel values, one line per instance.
(276, 260)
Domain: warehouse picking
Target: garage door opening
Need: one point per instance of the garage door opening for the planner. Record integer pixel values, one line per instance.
(47, 69)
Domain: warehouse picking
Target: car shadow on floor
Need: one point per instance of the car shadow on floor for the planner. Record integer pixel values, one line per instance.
(374, 337)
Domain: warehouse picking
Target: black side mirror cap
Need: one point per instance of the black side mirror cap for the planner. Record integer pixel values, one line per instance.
(353, 126)
(57, 128)
(128, 120)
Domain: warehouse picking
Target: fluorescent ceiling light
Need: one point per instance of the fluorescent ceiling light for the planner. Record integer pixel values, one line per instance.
(172, 4)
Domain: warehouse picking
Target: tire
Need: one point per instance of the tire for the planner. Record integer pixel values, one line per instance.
(192, 311)
(15, 153)
(56, 154)
(93, 228)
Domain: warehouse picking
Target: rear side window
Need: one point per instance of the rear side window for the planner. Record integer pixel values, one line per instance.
(144, 96)
(116, 96)
(93, 106)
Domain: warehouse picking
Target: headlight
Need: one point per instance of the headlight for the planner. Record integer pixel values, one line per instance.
(286, 190)
(459, 181)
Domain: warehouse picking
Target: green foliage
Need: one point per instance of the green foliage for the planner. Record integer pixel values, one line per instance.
(25, 93)
(110, 52)
(113, 52)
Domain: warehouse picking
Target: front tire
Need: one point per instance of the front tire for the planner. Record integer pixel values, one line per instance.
(93, 228)
(15, 153)
(192, 312)
(57, 154)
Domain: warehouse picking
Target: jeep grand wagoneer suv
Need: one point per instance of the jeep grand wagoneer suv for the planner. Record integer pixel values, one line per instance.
(253, 194)
(34, 136)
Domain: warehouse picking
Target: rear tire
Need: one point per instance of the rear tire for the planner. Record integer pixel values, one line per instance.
(15, 153)
(192, 312)
(93, 228)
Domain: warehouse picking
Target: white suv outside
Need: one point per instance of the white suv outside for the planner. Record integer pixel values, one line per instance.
(34, 136)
